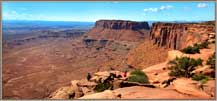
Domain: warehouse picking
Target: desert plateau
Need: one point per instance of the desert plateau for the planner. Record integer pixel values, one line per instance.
(106, 58)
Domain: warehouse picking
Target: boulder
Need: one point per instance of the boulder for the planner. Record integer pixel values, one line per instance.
(107, 94)
(78, 90)
(63, 93)
(85, 83)
(86, 90)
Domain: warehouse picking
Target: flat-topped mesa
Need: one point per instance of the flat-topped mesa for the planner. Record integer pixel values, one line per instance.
(120, 30)
(122, 24)
(180, 35)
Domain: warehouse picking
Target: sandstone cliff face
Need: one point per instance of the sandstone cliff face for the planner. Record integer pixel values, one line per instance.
(121, 24)
(180, 35)
(171, 36)
(119, 30)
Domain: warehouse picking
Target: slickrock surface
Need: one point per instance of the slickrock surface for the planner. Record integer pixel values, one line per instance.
(190, 87)
(138, 92)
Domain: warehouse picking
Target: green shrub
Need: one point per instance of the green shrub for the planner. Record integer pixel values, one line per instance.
(203, 45)
(182, 67)
(102, 86)
(138, 76)
(200, 77)
(211, 61)
(191, 50)
(195, 48)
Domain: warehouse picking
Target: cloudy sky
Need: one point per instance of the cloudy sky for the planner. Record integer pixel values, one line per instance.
(92, 11)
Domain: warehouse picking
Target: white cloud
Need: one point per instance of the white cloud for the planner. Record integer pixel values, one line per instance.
(201, 5)
(151, 10)
(167, 7)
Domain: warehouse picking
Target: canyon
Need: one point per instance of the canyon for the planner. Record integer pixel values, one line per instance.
(35, 66)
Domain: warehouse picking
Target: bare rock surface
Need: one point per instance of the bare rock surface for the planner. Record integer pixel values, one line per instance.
(190, 87)
(107, 94)
(138, 92)
(63, 93)
(209, 87)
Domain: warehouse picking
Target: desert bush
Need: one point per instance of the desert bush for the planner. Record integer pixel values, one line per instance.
(102, 86)
(200, 77)
(211, 61)
(195, 48)
(203, 45)
(138, 76)
(191, 50)
(183, 66)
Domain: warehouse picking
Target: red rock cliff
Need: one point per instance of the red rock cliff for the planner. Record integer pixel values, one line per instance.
(121, 24)
(180, 35)
(119, 30)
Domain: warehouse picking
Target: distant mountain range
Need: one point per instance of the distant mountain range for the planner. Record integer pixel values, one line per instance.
(22, 26)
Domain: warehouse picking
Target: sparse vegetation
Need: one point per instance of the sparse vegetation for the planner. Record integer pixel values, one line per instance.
(183, 66)
(195, 48)
(102, 86)
(202, 45)
(211, 61)
(200, 77)
(138, 76)
(191, 50)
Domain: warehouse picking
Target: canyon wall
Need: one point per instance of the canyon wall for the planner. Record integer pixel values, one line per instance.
(180, 35)
(166, 36)
(119, 30)
(121, 24)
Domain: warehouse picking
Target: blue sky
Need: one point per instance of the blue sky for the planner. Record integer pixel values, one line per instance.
(92, 11)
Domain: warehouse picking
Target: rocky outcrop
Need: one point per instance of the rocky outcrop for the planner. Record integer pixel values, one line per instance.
(79, 88)
(108, 94)
(119, 30)
(121, 24)
(63, 93)
(180, 35)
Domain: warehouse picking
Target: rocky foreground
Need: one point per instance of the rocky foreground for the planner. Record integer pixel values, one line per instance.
(161, 85)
